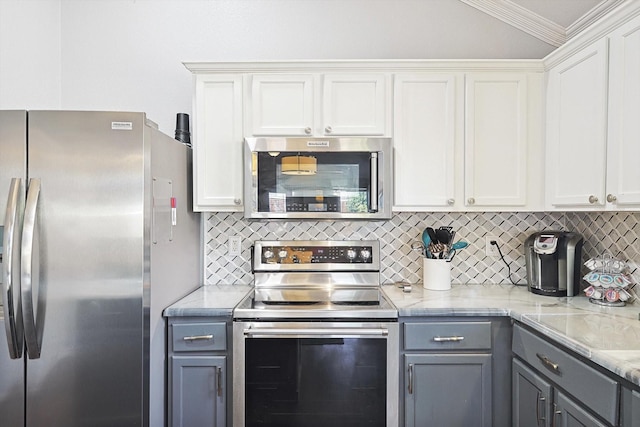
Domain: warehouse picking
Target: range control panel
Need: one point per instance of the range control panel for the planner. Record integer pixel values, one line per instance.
(301, 253)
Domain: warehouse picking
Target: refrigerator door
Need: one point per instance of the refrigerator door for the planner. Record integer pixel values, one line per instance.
(12, 171)
(87, 269)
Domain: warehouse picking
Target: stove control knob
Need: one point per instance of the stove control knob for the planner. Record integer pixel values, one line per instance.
(282, 254)
(268, 253)
(351, 254)
(365, 254)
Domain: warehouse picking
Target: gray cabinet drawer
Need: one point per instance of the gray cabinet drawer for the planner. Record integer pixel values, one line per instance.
(590, 387)
(447, 336)
(199, 336)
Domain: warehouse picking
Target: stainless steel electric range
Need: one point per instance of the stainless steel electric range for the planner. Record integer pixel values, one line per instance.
(316, 343)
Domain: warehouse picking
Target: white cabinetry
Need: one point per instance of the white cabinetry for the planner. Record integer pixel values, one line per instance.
(281, 104)
(467, 148)
(576, 129)
(592, 139)
(217, 143)
(623, 145)
(319, 104)
(425, 140)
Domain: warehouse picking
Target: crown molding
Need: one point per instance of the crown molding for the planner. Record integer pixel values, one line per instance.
(589, 18)
(522, 19)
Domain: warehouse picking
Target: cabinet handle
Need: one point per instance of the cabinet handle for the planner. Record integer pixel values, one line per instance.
(198, 338)
(556, 412)
(611, 198)
(593, 200)
(219, 380)
(450, 201)
(448, 339)
(471, 200)
(539, 398)
(328, 129)
(410, 378)
(554, 367)
(237, 201)
(307, 130)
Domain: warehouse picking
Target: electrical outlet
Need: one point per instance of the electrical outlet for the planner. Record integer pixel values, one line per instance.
(235, 245)
(489, 249)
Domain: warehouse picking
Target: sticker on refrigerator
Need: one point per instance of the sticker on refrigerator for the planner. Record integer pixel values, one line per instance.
(121, 125)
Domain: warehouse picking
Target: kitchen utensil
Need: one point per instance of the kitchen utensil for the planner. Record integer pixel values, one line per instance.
(432, 234)
(444, 236)
(418, 246)
(426, 240)
(460, 244)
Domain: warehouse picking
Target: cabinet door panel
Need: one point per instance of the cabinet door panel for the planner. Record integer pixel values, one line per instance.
(531, 398)
(355, 104)
(496, 140)
(282, 105)
(198, 392)
(217, 147)
(424, 141)
(569, 414)
(623, 173)
(576, 129)
(448, 390)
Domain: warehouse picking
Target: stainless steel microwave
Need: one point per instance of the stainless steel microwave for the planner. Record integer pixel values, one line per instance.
(318, 178)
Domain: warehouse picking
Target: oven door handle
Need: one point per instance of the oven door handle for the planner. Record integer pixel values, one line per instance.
(315, 332)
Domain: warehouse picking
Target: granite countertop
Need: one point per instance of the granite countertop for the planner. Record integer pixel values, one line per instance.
(608, 336)
(210, 301)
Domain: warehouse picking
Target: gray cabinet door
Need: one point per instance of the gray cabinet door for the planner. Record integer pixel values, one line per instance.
(569, 414)
(630, 411)
(531, 398)
(198, 392)
(448, 390)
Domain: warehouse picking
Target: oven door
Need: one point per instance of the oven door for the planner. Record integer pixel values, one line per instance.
(317, 178)
(339, 374)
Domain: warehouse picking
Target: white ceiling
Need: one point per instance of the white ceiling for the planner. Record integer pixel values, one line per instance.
(551, 21)
(562, 12)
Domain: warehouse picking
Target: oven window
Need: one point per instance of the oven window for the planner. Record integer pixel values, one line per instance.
(313, 182)
(315, 382)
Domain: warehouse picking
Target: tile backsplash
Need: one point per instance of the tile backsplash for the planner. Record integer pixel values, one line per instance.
(617, 233)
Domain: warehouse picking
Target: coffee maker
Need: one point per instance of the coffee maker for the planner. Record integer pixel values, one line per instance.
(553, 260)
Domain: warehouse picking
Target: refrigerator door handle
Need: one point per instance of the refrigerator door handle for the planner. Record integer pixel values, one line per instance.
(26, 266)
(11, 287)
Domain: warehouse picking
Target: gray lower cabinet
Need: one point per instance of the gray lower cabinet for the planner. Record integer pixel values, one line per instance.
(630, 407)
(454, 372)
(198, 384)
(553, 388)
(448, 390)
(536, 403)
(197, 391)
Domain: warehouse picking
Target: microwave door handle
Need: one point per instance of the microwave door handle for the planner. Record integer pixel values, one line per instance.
(373, 199)
(13, 322)
(26, 269)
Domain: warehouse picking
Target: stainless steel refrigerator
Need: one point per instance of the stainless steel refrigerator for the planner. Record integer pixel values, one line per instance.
(98, 236)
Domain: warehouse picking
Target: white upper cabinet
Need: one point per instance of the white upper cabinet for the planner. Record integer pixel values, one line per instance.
(577, 129)
(496, 140)
(283, 104)
(356, 104)
(593, 130)
(425, 140)
(623, 148)
(217, 143)
(468, 142)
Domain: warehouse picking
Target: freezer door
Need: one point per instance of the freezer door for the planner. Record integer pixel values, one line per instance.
(88, 269)
(12, 166)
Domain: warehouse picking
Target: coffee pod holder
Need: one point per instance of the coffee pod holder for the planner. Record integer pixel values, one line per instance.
(610, 281)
